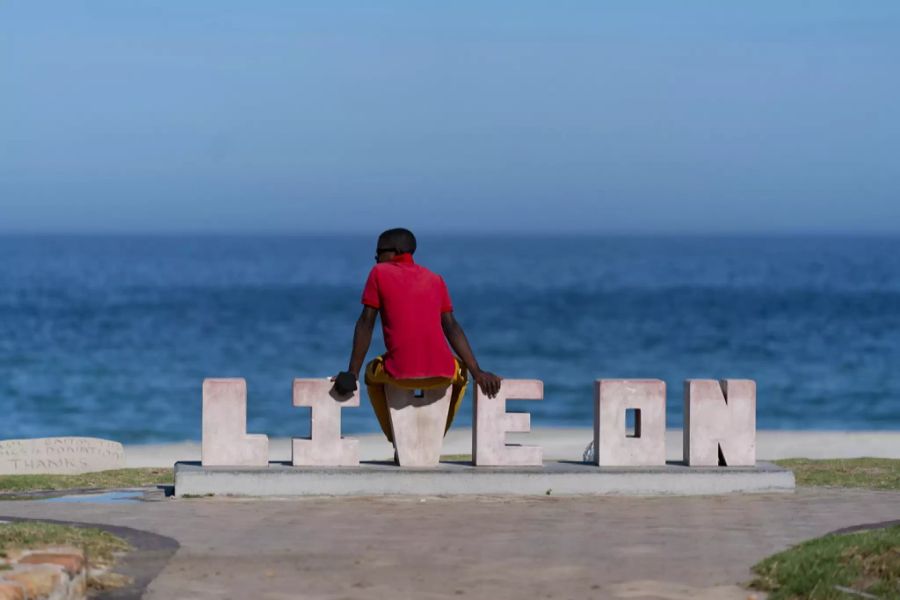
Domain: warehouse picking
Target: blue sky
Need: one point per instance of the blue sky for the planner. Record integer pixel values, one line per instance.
(592, 116)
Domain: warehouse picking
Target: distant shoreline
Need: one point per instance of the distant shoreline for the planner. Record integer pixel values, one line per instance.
(569, 444)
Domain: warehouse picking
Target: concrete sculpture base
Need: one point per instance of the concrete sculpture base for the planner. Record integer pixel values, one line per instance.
(554, 478)
(720, 422)
(324, 447)
(418, 423)
(491, 423)
(225, 437)
(612, 443)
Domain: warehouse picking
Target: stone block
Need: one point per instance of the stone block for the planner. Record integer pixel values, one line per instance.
(226, 442)
(491, 422)
(71, 562)
(325, 447)
(60, 456)
(12, 555)
(38, 581)
(11, 591)
(418, 420)
(720, 422)
(612, 444)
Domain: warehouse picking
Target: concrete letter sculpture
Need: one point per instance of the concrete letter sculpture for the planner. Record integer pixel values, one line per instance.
(418, 420)
(491, 422)
(324, 447)
(612, 445)
(226, 442)
(720, 422)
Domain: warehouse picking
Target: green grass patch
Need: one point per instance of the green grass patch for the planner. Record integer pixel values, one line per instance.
(869, 473)
(867, 562)
(100, 547)
(118, 478)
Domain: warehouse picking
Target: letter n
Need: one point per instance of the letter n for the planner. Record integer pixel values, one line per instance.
(720, 422)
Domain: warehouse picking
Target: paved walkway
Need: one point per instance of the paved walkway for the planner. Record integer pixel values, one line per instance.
(423, 548)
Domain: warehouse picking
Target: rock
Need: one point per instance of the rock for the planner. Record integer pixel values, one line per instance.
(11, 591)
(59, 455)
(72, 563)
(109, 581)
(37, 581)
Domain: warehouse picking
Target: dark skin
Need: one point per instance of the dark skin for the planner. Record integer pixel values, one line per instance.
(365, 324)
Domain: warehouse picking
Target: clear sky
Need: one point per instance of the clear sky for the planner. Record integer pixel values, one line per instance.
(131, 116)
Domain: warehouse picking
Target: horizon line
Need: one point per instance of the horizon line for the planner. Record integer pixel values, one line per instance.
(453, 233)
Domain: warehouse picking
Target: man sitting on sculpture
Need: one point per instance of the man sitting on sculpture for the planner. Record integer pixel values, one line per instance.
(417, 322)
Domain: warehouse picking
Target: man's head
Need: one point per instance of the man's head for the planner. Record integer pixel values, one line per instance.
(393, 242)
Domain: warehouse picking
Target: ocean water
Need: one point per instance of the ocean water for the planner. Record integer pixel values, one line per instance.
(112, 336)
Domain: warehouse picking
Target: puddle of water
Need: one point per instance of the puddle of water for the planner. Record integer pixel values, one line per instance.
(105, 498)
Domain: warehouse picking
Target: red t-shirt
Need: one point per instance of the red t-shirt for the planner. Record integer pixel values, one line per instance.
(411, 299)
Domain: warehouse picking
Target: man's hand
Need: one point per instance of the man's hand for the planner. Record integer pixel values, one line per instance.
(345, 383)
(488, 382)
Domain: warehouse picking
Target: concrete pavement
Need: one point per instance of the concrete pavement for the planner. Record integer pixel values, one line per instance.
(475, 547)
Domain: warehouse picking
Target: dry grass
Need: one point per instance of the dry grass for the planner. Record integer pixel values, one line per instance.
(115, 479)
(100, 547)
(868, 473)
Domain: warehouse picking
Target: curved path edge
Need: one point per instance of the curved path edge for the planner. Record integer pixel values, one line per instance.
(149, 555)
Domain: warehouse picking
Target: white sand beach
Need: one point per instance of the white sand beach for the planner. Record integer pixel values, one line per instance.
(562, 443)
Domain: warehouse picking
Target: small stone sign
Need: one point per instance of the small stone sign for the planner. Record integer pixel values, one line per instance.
(59, 455)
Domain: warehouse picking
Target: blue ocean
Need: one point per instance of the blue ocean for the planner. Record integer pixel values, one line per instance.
(112, 336)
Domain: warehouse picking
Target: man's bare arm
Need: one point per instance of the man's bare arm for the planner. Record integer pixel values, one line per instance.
(345, 382)
(362, 338)
(487, 381)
